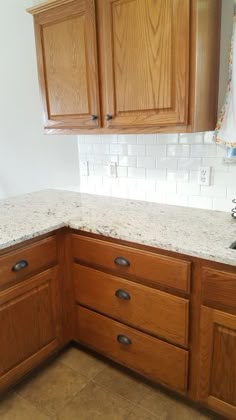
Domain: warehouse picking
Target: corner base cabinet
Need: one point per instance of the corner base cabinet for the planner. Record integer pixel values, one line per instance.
(30, 324)
(167, 316)
(139, 66)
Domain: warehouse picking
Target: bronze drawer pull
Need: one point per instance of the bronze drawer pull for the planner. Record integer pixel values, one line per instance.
(122, 339)
(121, 261)
(20, 265)
(94, 117)
(122, 294)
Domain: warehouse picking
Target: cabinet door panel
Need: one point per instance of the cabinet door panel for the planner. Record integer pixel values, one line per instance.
(67, 59)
(218, 361)
(146, 61)
(30, 323)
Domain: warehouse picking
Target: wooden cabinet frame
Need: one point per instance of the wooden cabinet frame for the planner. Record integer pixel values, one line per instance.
(209, 319)
(194, 66)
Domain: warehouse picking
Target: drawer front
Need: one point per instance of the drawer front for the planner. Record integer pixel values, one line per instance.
(219, 289)
(26, 260)
(157, 269)
(153, 358)
(147, 309)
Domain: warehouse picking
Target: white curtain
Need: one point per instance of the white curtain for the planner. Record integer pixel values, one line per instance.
(225, 132)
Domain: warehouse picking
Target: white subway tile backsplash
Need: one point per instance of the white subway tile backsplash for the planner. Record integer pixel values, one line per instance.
(157, 174)
(118, 149)
(146, 139)
(166, 187)
(127, 138)
(176, 199)
(166, 163)
(108, 138)
(122, 171)
(191, 138)
(222, 204)
(136, 172)
(158, 151)
(207, 151)
(127, 160)
(178, 150)
(200, 202)
(101, 149)
(167, 139)
(157, 167)
(213, 191)
(146, 162)
(136, 150)
(187, 188)
(221, 151)
(177, 176)
(189, 163)
(216, 163)
(146, 185)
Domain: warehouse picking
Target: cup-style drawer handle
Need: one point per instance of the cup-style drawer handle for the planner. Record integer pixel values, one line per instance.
(121, 261)
(20, 265)
(122, 339)
(122, 294)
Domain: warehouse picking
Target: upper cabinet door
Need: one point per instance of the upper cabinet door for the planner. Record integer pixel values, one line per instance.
(67, 63)
(145, 51)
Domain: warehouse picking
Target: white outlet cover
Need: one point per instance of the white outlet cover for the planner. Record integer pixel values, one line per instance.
(204, 176)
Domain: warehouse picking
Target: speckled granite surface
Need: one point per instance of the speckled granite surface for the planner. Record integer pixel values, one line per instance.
(201, 233)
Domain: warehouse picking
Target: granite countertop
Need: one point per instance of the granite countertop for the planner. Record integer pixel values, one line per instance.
(202, 233)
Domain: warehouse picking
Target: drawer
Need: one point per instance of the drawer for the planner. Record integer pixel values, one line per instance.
(157, 269)
(34, 257)
(153, 358)
(145, 308)
(218, 288)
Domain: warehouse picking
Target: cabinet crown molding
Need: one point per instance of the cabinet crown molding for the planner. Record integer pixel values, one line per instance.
(47, 5)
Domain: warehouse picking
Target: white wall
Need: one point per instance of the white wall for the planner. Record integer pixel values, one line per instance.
(28, 159)
(163, 168)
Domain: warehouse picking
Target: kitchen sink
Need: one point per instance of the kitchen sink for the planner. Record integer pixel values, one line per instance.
(233, 245)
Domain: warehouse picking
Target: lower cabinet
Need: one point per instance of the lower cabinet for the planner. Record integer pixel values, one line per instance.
(218, 361)
(30, 324)
(153, 358)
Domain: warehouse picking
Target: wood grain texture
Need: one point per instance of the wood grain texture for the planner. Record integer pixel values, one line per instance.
(66, 48)
(39, 255)
(218, 361)
(219, 289)
(145, 53)
(47, 5)
(30, 323)
(171, 272)
(65, 67)
(149, 356)
(65, 280)
(149, 310)
(153, 72)
(204, 78)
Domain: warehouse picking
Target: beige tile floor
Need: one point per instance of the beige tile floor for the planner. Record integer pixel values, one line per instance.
(79, 386)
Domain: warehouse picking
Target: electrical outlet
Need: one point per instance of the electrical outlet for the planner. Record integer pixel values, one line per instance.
(204, 177)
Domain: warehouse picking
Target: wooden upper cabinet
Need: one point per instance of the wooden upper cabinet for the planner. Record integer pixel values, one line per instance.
(67, 63)
(151, 65)
(146, 56)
